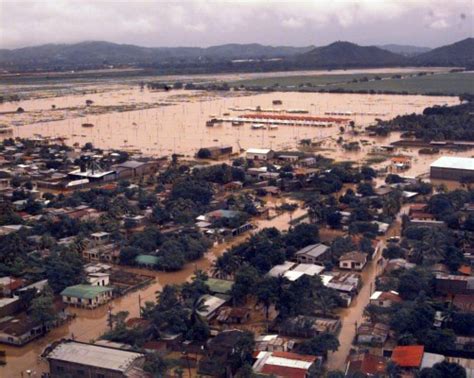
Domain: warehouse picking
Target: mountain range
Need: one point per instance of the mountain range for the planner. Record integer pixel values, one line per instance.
(231, 57)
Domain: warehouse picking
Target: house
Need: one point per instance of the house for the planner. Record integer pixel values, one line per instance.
(259, 154)
(312, 254)
(346, 284)
(450, 284)
(308, 326)
(369, 333)
(408, 357)
(77, 359)
(353, 261)
(272, 343)
(98, 279)
(213, 304)
(19, 330)
(86, 296)
(367, 364)
(218, 286)
(285, 364)
(233, 315)
(401, 162)
(385, 298)
(220, 350)
(9, 305)
(280, 269)
(100, 237)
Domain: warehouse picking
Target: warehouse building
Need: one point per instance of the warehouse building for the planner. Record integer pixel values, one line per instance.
(76, 359)
(452, 168)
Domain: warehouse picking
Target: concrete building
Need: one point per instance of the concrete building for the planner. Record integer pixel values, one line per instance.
(353, 260)
(76, 359)
(452, 168)
(87, 296)
(259, 154)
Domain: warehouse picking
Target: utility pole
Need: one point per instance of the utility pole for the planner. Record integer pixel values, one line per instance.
(109, 318)
(139, 305)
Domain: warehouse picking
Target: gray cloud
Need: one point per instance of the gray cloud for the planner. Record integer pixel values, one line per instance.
(203, 23)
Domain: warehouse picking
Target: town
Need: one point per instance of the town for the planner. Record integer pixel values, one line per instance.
(239, 263)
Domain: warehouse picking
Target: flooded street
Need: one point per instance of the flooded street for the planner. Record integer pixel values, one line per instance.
(91, 324)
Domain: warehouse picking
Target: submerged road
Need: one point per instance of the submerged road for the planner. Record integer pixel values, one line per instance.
(352, 316)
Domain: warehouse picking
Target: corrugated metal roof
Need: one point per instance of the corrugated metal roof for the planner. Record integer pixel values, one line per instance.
(94, 355)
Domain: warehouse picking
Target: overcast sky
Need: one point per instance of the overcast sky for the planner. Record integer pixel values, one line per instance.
(204, 23)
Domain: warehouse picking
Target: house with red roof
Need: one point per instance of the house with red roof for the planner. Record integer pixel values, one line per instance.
(366, 363)
(408, 357)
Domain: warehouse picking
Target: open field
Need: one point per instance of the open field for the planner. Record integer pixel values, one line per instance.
(443, 83)
(315, 81)
(448, 83)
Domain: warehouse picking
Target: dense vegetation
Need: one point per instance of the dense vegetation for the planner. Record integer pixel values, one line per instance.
(436, 123)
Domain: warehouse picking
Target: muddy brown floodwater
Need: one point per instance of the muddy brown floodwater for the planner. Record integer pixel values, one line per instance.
(91, 324)
(180, 127)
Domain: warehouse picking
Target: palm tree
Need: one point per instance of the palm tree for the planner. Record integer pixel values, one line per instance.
(197, 308)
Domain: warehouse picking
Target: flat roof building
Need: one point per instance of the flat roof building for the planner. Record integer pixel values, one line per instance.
(452, 168)
(71, 358)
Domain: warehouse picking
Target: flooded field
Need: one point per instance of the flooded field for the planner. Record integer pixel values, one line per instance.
(175, 122)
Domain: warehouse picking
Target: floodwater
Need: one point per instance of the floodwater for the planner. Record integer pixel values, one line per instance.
(91, 324)
(180, 127)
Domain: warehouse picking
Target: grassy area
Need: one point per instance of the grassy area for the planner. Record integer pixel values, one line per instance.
(313, 80)
(449, 83)
(443, 83)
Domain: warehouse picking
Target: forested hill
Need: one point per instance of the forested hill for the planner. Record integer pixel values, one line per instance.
(460, 54)
(225, 58)
(347, 54)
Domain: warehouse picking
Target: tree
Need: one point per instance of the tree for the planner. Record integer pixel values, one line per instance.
(319, 345)
(156, 365)
(42, 308)
(204, 153)
(64, 268)
(267, 293)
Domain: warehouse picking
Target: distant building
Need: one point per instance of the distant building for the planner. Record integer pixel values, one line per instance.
(259, 154)
(217, 152)
(452, 168)
(133, 168)
(77, 359)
